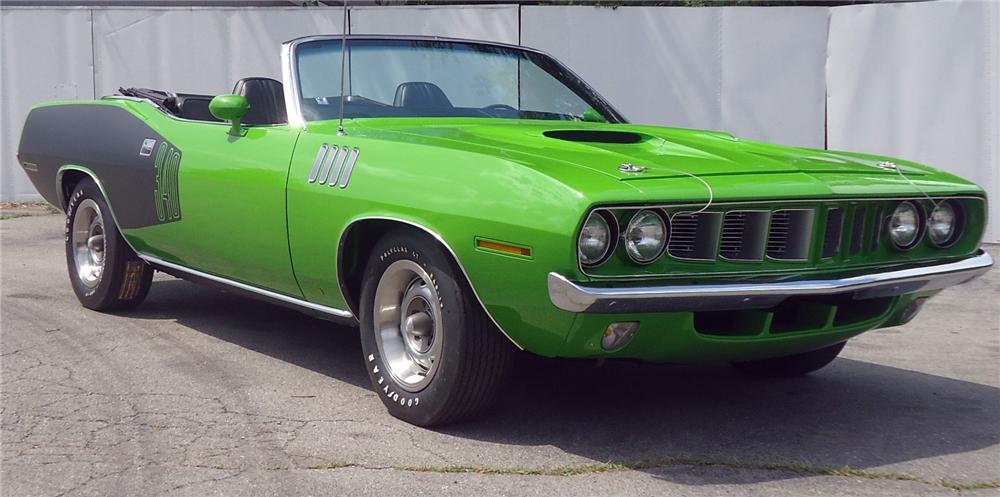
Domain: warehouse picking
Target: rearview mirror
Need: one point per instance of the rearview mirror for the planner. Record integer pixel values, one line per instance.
(230, 108)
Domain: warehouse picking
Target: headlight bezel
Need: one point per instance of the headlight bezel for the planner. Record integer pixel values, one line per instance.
(957, 227)
(920, 219)
(613, 236)
(664, 221)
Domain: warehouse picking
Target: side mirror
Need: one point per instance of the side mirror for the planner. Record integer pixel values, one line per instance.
(230, 108)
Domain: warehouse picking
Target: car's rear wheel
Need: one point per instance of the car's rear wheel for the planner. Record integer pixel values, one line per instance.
(432, 354)
(104, 271)
(792, 365)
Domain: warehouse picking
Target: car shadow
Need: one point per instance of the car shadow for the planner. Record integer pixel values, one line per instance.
(851, 413)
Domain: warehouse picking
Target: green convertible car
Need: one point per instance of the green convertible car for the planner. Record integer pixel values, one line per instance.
(460, 200)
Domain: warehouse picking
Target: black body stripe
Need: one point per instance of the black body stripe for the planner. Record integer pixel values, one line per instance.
(105, 139)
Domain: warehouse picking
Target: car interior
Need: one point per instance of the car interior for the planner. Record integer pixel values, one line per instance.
(265, 95)
(267, 104)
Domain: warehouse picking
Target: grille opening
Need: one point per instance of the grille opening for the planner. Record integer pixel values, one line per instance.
(791, 231)
(694, 236)
(877, 229)
(850, 311)
(802, 314)
(834, 227)
(744, 235)
(857, 230)
(731, 323)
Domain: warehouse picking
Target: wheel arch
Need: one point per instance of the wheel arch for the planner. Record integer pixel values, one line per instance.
(67, 177)
(70, 175)
(360, 236)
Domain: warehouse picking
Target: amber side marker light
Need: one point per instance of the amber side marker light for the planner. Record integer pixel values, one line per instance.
(503, 247)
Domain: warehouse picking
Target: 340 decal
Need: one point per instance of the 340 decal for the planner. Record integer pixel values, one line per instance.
(166, 197)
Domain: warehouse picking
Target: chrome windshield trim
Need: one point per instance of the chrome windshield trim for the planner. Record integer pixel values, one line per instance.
(572, 297)
(339, 313)
(290, 82)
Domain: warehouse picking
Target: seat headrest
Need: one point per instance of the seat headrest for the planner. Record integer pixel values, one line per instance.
(267, 100)
(421, 95)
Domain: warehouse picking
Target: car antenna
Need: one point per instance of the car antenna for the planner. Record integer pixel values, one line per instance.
(343, 56)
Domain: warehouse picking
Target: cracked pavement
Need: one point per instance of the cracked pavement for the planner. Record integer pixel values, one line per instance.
(198, 392)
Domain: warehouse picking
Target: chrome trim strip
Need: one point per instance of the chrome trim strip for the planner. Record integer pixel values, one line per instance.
(439, 239)
(331, 157)
(340, 313)
(350, 167)
(314, 173)
(572, 297)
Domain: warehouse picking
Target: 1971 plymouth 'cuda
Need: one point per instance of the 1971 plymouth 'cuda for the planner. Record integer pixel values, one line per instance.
(480, 198)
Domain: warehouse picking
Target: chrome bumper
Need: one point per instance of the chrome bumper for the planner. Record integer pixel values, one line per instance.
(571, 297)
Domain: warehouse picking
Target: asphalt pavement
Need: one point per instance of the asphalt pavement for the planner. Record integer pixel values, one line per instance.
(201, 393)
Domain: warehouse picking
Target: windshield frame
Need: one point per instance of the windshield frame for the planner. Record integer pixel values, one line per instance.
(572, 81)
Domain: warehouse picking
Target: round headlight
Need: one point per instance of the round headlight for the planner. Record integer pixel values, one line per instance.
(942, 224)
(595, 240)
(645, 237)
(904, 226)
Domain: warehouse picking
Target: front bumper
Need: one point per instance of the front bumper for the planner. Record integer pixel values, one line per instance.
(572, 297)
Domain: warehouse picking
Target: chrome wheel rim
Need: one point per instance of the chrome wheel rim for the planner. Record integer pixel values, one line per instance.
(408, 324)
(87, 239)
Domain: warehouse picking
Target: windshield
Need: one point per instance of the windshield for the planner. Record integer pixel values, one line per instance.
(432, 78)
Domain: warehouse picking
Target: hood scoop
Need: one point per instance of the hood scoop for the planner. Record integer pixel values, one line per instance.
(595, 136)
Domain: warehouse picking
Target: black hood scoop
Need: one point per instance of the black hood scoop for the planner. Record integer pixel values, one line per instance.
(595, 136)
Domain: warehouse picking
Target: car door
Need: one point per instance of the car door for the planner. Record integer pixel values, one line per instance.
(230, 196)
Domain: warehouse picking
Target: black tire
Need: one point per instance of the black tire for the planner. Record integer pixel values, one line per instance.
(793, 365)
(474, 357)
(125, 278)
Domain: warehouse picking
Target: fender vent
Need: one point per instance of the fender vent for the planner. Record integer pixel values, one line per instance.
(334, 164)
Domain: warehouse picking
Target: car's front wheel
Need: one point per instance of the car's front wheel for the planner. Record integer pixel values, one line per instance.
(792, 365)
(104, 271)
(432, 354)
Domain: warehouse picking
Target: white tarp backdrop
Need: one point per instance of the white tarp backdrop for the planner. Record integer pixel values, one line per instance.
(916, 80)
(196, 50)
(920, 81)
(755, 72)
(35, 67)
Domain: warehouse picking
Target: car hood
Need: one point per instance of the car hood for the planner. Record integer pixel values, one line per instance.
(664, 152)
(570, 149)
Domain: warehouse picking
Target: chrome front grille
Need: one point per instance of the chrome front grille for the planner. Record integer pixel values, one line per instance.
(781, 235)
